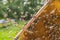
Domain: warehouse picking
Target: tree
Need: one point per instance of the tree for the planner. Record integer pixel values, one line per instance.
(17, 8)
(32, 6)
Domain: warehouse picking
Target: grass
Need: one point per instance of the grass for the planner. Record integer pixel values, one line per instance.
(10, 32)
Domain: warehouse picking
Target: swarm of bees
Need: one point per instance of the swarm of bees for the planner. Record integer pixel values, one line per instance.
(45, 25)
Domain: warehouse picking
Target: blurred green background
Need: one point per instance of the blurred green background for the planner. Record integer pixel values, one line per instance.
(14, 14)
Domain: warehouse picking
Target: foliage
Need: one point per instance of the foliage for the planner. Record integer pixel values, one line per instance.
(31, 7)
(19, 8)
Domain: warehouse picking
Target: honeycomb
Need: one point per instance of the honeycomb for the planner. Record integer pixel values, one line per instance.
(45, 25)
